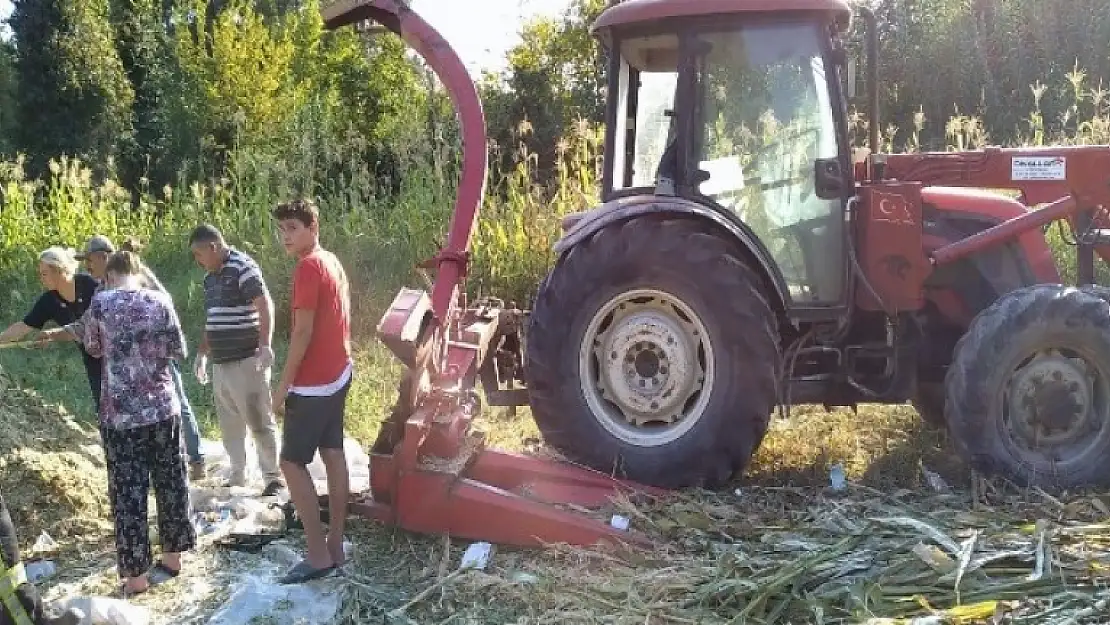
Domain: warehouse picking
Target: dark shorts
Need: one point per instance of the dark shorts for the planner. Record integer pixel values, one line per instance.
(312, 423)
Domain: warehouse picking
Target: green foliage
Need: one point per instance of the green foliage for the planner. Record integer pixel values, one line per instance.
(74, 97)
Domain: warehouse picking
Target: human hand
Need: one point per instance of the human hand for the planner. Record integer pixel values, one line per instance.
(44, 338)
(200, 368)
(278, 399)
(265, 357)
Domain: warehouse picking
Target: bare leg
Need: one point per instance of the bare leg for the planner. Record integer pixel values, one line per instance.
(303, 494)
(335, 463)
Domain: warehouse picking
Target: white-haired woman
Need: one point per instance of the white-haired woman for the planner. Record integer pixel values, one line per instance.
(66, 298)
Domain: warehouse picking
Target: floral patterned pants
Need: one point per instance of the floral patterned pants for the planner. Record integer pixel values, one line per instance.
(138, 458)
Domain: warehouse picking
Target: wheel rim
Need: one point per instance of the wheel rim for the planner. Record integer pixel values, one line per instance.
(646, 367)
(1055, 408)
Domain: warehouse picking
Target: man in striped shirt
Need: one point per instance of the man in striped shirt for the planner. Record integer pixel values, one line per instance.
(237, 334)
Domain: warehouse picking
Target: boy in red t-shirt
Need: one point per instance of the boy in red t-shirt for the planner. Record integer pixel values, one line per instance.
(312, 393)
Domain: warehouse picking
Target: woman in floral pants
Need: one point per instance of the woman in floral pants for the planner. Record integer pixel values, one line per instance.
(137, 333)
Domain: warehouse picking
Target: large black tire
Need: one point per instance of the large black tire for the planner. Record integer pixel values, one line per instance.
(681, 264)
(1043, 422)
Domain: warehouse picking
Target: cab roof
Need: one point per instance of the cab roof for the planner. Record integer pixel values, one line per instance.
(636, 11)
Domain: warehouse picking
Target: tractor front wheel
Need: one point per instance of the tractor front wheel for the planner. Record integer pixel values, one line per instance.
(652, 354)
(1029, 388)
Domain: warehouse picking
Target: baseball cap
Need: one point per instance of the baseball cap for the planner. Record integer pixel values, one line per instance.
(98, 243)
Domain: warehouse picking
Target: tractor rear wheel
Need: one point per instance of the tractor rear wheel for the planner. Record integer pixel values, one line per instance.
(928, 401)
(652, 354)
(1028, 390)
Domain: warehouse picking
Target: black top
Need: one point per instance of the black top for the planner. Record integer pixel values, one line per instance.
(51, 306)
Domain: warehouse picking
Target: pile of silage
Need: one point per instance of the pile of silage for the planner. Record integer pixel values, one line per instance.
(806, 556)
(794, 555)
(52, 468)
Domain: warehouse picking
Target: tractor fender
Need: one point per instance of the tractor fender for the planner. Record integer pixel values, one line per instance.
(968, 287)
(580, 226)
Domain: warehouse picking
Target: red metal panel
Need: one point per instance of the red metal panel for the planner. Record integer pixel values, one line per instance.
(1043, 175)
(890, 247)
(956, 201)
(1005, 231)
(634, 11)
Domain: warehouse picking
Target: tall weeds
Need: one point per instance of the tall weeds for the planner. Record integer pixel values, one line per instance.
(381, 236)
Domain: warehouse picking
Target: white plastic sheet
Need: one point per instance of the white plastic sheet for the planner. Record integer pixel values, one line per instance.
(258, 599)
(107, 611)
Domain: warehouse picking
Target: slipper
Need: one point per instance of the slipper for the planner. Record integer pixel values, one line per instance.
(160, 574)
(303, 572)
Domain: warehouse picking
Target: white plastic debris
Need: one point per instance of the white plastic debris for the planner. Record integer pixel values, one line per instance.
(935, 481)
(107, 611)
(619, 522)
(258, 598)
(44, 544)
(476, 556)
(40, 569)
(836, 477)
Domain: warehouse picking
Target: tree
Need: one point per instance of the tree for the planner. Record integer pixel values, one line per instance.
(74, 97)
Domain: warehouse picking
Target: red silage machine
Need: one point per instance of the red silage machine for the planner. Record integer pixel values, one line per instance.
(743, 258)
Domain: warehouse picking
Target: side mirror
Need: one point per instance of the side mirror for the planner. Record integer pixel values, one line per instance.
(829, 180)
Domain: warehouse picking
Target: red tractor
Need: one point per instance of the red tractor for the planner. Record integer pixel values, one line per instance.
(743, 259)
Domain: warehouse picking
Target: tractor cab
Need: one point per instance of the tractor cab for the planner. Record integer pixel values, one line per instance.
(736, 105)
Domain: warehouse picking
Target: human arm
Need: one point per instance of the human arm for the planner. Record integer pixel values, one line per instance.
(265, 307)
(15, 332)
(299, 339)
(39, 315)
(173, 338)
(306, 289)
(254, 288)
(93, 339)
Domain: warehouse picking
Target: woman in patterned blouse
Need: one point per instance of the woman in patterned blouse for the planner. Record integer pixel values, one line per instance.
(137, 333)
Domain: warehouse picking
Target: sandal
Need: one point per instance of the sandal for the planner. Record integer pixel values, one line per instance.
(304, 572)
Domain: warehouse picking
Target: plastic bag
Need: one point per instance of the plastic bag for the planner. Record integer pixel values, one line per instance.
(107, 611)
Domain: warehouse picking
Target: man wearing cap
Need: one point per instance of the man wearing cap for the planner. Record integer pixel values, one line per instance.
(95, 255)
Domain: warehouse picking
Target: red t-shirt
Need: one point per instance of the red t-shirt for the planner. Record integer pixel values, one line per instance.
(320, 284)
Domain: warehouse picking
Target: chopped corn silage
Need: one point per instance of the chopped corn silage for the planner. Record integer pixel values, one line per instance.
(52, 468)
(785, 548)
(786, 555)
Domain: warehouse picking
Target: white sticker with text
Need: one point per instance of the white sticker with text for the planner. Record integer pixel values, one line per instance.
(1039, 168)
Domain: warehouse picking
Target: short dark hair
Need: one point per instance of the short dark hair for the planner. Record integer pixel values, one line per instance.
(205, 233)
(301, 209)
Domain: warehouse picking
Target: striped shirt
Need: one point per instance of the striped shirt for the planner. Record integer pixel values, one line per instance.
(232, 323)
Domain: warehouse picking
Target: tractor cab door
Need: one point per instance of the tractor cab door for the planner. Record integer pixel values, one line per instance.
(762, 129)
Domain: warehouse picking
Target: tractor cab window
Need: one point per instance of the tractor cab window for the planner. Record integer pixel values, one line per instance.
(763, 117)
(649, 69)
